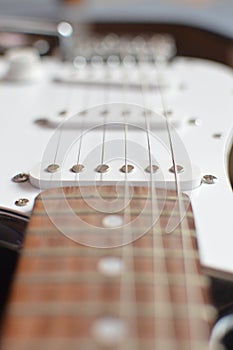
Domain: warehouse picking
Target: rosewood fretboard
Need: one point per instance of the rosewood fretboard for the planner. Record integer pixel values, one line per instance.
(142, 290)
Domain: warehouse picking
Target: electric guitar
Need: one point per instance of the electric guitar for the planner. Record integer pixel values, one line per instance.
(121, 156)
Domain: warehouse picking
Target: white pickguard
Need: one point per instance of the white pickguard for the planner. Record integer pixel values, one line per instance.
(207, 95)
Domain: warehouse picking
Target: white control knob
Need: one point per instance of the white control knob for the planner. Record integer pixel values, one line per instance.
(24, 64)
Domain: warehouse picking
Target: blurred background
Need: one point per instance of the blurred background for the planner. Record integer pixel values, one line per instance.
(177, 17)
(210, 14)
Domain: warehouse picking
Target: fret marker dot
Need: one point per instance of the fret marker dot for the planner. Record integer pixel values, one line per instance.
(109, 331)
(111, 266)
(112, 221)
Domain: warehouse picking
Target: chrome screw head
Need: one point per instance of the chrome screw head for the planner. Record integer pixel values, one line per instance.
(195, 121)
(209, 179)
(63, 113)
(41, 121)
(22, 202)
(21, 177)
(217, 135)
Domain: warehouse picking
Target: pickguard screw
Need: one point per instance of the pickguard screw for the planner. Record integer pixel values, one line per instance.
(217, 136)
(209, 179)
(21, 177)
(195, 121)
(22, 202)
(41, 121)
(63, 113)
(52, 168)
(168, 113)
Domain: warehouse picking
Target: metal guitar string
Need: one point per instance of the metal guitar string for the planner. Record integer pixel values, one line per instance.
(67, 101)
(127, 250)
(154, 212)
(83, 113)
(54, 166)
(105, 113)
(177, 185)
(181, 210)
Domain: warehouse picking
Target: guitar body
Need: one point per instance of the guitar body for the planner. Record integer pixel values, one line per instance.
(155, 138)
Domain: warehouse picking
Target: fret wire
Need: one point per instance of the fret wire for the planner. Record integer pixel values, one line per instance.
(106, 196)
(85, 343)
(134, 212)
(95, 308)
(50, 232)
(70, 252)
(141, 278)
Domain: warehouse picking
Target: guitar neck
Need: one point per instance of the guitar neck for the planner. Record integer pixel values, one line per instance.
(91, 278)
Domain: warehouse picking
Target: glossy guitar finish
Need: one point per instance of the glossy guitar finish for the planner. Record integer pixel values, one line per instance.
(203, 103)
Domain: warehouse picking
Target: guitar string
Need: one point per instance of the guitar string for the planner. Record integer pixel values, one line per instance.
(182, 219)
(163, 288)
(104, 126)
(66, 104)
(60, 128)
(86, 103)
(102, 157)
(82, 114)
(127, 250)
